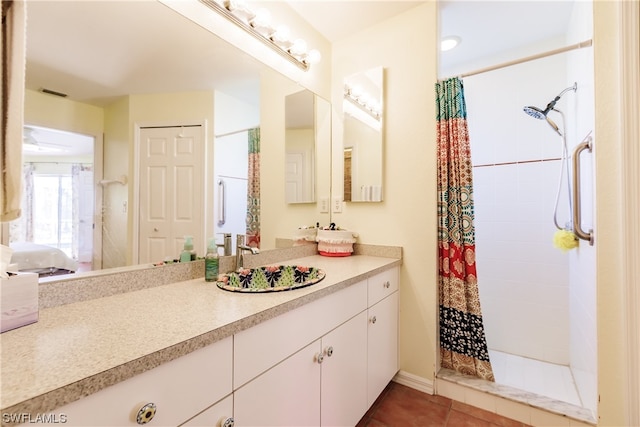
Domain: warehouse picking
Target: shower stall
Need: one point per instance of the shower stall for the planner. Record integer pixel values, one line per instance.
(538, 300)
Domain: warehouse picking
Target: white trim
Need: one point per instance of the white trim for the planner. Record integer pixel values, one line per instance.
(630, 108)
(414, 381)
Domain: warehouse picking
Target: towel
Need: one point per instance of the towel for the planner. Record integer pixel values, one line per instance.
(13, 52)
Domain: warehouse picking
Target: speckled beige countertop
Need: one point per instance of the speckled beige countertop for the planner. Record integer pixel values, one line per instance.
(77, 349)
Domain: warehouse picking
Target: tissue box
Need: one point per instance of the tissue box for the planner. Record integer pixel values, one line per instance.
(19, 300)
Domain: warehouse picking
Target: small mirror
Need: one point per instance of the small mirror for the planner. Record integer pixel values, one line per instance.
(363, 141)
(300, 147)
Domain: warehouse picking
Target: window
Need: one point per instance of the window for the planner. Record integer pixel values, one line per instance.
(53, 211)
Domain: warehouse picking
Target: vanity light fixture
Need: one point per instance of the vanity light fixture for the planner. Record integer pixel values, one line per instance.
(258, 24)
(449, 43)
(363, 101)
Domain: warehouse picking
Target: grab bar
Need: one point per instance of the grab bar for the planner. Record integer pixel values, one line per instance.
(577, 226)
(222, 206)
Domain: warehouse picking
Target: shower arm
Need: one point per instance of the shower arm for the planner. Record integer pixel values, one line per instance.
(552, 104)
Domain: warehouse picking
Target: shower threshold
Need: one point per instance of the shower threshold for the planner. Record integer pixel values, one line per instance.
(526, 398)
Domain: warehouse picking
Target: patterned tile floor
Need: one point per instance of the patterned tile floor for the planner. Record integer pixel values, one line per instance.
(399, 405)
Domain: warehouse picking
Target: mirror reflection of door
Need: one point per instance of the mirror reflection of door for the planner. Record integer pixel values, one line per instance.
(300, 147)
(171, 191)
(58, 201)
(348, 154)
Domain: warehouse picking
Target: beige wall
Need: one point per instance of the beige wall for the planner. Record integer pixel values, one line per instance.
(405, 46)
(60, 113)
(609, 237)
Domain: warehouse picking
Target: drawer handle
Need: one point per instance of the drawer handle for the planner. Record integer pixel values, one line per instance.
(226, 422)
(146, 413)
(320, 358)
(329, 351)
(387, 285)
(374, 320)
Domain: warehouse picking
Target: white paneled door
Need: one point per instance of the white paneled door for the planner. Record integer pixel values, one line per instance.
(171, 191)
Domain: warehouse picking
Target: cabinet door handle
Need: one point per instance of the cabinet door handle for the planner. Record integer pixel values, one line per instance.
(329, 351)
(373, 319)
(146, 413)
(226, 422)
(320, 358)
(387, 285)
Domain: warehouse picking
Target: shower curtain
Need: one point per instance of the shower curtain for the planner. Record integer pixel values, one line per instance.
(253, 190)
(463, 346)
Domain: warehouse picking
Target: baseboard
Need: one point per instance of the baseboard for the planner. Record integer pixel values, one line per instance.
(414, 381)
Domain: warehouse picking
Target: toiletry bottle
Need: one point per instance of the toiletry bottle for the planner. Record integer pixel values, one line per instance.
(211, 262)
(227, 244)
(187, 253)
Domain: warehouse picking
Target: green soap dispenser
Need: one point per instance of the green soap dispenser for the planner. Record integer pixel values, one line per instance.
(211, 262)
(187, 253)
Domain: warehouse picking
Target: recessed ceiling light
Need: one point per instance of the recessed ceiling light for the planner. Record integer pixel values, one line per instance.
(449, 43)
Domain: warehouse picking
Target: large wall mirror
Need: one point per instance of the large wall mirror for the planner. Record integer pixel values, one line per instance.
(96, 69)
(363, 136)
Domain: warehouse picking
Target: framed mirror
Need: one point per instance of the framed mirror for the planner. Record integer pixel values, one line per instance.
(363, 130)
(300, 148)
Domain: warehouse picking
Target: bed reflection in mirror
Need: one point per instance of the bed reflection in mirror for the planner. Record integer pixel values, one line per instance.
(363, 136)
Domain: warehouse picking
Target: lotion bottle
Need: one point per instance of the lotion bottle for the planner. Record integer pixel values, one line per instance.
(211, 262)
(187, 253)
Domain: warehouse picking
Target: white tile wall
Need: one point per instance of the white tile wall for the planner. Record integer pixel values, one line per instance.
(523, 279)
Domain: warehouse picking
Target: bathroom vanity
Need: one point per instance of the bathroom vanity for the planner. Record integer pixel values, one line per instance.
(189, 353)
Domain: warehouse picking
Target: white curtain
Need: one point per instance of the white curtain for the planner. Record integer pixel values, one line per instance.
(12, 49)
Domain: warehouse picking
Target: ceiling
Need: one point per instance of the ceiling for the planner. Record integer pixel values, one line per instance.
(95, 51)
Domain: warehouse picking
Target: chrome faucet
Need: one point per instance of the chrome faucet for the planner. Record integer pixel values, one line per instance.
(241, 248)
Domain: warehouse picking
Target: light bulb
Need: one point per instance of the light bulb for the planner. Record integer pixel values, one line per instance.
(299, 47)
(262, 18)
(281, 34)
(314, 56)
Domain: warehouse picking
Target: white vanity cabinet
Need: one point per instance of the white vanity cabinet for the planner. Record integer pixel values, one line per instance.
(344, 374)
(322, 384)
(282, 364)
(322, 364)
(382, 334)
(179, 389)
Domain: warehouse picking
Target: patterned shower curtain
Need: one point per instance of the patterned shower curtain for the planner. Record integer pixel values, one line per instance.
(253, 190)
(463, 346)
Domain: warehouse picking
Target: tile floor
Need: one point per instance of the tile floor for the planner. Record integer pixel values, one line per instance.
(399, 405)
(543, 378)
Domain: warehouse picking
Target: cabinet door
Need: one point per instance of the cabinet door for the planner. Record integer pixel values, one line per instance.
(180, 389)
(382, 345)
(214, 416)
(286, 395)
(344, 373)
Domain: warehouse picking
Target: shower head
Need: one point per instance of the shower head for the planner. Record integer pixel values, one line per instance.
(539, 114)
(535, 112)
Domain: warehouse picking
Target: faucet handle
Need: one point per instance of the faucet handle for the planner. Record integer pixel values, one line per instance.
(240, 240)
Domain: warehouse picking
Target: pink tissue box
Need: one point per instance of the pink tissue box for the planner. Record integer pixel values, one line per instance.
(19, 302)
